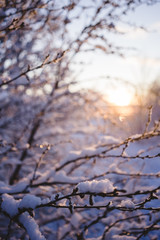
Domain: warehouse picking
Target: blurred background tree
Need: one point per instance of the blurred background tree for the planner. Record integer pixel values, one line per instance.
(36, 72)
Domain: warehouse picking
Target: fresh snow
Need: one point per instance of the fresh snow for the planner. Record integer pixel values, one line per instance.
(86, 152)
(127, 203)
(124, 237)
(57, 177)
(19, 187)
(30, 201)
(31, 227)
(9, 205)
(96, 186)
(76, 219)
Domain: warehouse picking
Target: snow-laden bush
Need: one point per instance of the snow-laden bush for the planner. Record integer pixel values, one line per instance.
(67, 170)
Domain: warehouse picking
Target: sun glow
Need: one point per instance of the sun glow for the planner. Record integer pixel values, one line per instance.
(120, 97)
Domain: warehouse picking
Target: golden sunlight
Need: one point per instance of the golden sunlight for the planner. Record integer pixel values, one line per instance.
(120, 97)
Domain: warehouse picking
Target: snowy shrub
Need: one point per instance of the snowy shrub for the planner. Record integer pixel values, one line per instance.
(67, 171)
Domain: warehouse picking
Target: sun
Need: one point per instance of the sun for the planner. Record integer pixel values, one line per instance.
(120, 97)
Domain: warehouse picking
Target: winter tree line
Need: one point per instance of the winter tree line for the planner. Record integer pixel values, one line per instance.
(68, 170)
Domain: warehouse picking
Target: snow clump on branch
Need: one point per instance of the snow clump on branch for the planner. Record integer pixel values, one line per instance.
(96, 186)
(10, 205)
(127, 204)
(31, 227)
(30, 201)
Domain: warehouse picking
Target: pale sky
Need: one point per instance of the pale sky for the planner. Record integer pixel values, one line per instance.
(140, 66)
